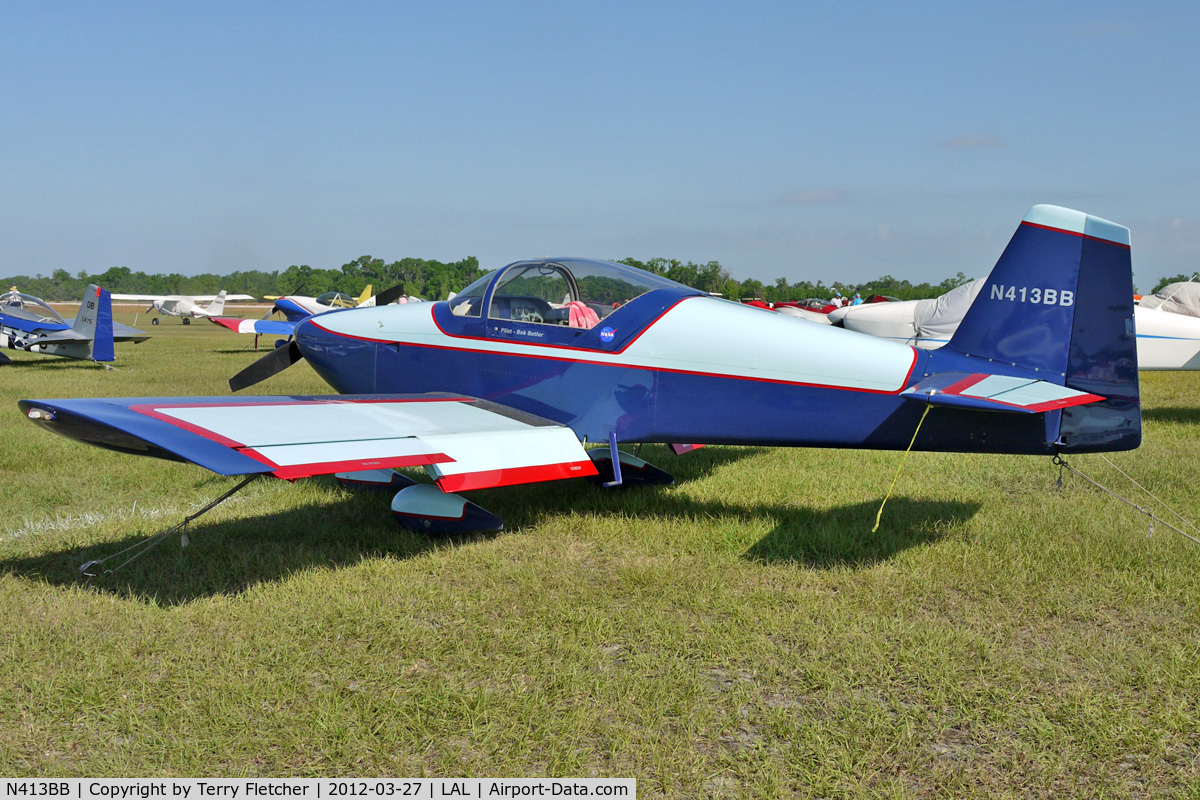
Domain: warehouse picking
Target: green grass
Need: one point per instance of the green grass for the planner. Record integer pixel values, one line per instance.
(739, 634)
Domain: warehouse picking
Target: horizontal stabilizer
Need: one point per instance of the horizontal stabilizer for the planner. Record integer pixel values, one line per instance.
(984, 392)
(464, 442)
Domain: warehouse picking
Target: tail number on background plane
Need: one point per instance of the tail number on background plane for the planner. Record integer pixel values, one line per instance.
(1038, 295)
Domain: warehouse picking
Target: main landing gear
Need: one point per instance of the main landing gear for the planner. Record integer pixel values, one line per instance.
(424, 508)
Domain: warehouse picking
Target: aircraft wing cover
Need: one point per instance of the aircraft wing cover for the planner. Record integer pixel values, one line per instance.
(465, 443)
(1180, 298)
(938, 318)
(996, 393)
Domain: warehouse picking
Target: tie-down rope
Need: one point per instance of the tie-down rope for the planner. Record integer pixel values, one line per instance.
(1149, 512)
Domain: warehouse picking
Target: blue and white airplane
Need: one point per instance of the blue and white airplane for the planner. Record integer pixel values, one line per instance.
(296, 308)
(28, 323)
(506, 383)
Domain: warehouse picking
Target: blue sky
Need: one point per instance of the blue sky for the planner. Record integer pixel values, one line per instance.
(831, 141)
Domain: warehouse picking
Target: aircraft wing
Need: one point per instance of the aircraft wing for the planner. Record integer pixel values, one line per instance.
(43, 336)
(463, 442)
(195, 298)
(986, 392)
(121, 333)
(141, 298)
(270, 327)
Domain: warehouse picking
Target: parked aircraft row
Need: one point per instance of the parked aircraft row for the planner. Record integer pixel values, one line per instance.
(29, 323)
(506, 382)
(1167, 323)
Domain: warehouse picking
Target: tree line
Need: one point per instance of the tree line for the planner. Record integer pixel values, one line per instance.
(434, 280)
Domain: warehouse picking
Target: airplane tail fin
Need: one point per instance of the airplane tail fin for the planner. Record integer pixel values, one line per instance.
(366, 295)
(217, 306)
(1060, 302)
(95, 322)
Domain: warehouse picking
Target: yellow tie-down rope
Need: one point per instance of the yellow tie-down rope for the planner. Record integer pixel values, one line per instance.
(904, 458)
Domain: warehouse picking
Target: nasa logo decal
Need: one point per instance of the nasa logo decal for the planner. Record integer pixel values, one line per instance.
(606, 334)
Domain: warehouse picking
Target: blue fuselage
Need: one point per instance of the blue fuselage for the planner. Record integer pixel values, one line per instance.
(642, 403)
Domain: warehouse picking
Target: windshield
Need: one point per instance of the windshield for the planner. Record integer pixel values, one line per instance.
(469, 302)
(336, 300)
(572, 291)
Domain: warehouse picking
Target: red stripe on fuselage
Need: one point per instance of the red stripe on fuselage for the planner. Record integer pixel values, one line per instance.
(599, 363)
(627, 345)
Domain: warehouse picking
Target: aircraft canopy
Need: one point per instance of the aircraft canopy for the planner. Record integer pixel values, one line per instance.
(26, 306)
(546, 289)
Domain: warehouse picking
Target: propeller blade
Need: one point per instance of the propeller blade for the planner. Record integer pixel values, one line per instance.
(389, 296)
(275, 361)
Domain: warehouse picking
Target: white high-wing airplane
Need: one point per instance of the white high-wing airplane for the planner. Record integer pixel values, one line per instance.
(184, 305)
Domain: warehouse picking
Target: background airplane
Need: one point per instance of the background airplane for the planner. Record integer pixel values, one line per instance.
(1167, 323)
(186, 306)
(296, 307)
(29, 323)
(293, 308)
(505, 383)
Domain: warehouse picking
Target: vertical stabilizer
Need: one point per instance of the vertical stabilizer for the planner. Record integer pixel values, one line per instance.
(217, 306)
(95, 322)
(1060, 302)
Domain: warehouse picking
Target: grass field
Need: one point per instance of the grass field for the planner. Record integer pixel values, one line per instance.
(740, 634)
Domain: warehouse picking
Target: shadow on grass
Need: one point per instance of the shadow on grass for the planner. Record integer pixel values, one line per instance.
(1184, 416)
(54, 363)
(816, 538)
(842, 536)
(232, 556)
